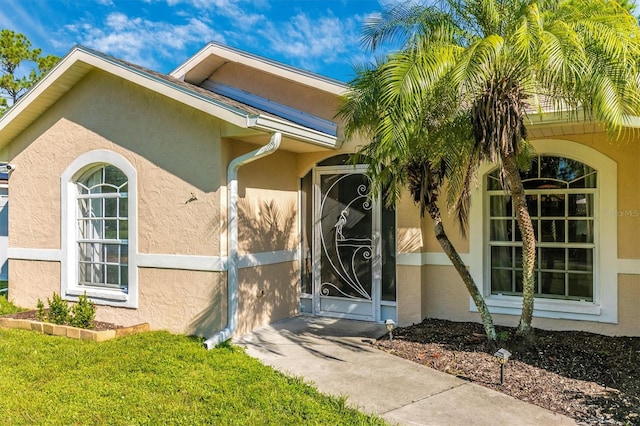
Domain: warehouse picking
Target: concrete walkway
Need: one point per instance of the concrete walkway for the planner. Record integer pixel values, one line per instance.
(336, 357)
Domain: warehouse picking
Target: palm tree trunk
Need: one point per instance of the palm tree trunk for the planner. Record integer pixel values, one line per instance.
(519, 201)
(457, 262)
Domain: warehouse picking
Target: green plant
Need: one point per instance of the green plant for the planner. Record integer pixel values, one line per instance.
(7, 307)
(503, 336)
(83, 313)
(58, 309)
(41, 315)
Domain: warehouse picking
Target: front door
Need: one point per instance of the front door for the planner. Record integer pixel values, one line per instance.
(346, 244)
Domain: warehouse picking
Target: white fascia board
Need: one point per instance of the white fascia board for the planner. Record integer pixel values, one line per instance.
(264, 64)
(80, 56)
(567, 116)
(24, 101)
(181, 70)
(295, 131)
(553, 117)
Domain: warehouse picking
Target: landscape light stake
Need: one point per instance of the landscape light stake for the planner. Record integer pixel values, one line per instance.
(390, 325)
(503, 356)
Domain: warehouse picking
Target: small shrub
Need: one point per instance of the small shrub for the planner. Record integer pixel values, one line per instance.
(503, 336)
(58, 309)
(83, 313)
(41, 315)
(80, 315)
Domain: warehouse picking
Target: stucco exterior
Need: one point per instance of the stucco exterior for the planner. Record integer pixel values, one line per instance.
(445, 297)
(159, 149)
(177, 156)
(180, 150)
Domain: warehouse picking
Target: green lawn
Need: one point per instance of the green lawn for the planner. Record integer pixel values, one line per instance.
(151, 378)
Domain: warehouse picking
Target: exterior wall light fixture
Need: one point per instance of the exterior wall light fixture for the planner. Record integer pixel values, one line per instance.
(390, 324)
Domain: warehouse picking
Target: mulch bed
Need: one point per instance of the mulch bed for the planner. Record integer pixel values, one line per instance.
(592, 378)
(32, 315)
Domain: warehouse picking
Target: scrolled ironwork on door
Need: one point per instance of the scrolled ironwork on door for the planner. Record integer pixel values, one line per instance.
(346, 237)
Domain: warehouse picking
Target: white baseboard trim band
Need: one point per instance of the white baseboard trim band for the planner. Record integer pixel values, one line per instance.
(427, 258)
(46, 255)
(629, 266)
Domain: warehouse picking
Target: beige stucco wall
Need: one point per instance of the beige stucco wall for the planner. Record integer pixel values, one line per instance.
(266, 294)
(267, 222)
(444, 295)
(176, 154)
(32, 280)
(410, 295)
(187, 302)
(267, 201)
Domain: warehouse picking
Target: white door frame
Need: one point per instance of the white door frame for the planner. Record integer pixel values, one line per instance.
(345, 307)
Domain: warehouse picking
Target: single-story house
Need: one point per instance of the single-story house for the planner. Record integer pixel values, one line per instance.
(218, 199)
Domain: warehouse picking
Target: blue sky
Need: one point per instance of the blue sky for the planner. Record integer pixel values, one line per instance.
(318, 35)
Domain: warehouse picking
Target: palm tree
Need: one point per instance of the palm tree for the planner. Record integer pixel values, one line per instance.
(494, 60)
(416, 155)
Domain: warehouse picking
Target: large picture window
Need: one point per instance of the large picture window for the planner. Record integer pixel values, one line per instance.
(102, 218)
(561, 196)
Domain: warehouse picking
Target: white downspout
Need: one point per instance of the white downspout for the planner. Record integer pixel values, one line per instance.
(232, 237)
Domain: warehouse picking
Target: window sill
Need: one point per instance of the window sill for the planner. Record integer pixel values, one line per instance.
(548, 308)
(101, 296)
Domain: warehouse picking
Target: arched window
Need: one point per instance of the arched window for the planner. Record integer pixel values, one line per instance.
(103, 236)
(99, 229)
(561, 196)
(571, 189)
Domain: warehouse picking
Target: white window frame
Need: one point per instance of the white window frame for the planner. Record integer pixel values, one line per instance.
(604, 307)
(70, 288)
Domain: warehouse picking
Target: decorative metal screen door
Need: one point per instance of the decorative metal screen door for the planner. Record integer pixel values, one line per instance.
(347, 265)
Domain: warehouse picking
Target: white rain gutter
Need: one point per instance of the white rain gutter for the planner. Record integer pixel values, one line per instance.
(232, 238)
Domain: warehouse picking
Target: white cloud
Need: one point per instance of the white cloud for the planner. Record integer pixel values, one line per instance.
(239, 12)
(307, 37)
(140, 40)
(310, 40)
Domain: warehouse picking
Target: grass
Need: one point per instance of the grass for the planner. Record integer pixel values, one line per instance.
(7, 307)
(152, 378)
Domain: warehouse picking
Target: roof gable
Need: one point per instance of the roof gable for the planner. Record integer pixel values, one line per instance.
(213, 56)
(81, 60)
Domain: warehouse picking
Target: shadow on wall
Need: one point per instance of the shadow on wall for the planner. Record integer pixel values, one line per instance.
(214, 317)
(409, 240)
(264, 226)
(267, 292)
